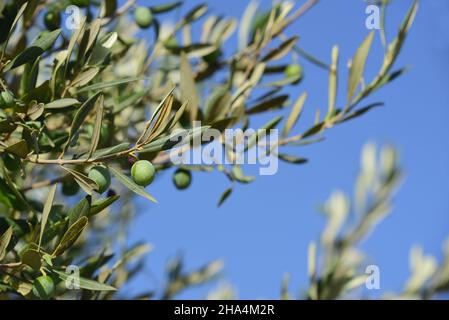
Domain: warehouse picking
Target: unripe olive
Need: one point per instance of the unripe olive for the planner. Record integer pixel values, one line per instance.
(70, 187)
(171, 43)
(100, 174)
(143, 172)
(52, 20)
(80, 3)
(44, 287)
(6, 99)
(182, 179)
(143, 17)
(293, 71)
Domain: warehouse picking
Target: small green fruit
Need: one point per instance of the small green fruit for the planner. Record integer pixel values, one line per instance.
(143, 17)
(182, 179)
(143, 172)
(101, 176)
(44, 287)
(293, 71)
(6, 99)
(70, 187)
(171, 43)
(52, 20)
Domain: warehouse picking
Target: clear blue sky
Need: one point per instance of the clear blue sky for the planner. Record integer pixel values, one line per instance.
(263, 230)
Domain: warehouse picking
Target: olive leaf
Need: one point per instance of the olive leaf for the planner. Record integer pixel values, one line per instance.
(87, 184)
(225, 195)
(333, 81)
(188, 87)
(109, 84)
(61, 103)
(85, 77)
(80, 116)
(127, 182)
(294, 115)
(358, 66)
(97, 125)
(281, 51)
(102, 204)
(71, 235)
(163, 8)
(19, 149)
(46, 212)
(5, 238)
(43, 42)
(84, 283)
(81, 209)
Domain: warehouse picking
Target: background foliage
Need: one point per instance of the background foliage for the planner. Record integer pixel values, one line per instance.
(72, 99)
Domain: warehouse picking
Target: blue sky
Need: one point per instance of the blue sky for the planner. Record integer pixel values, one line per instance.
(263, 230)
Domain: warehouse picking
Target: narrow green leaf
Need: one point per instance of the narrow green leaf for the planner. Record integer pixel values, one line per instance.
(61, 103)
(44, 41)
(71, 235)
(97, 126)
(104, 85)
(194, 50)
(86, 284)
(81, 209)
(85, 77)
(4, 242)
(46, 212)
(358, 66)
(111, 150)
(19, 149)
(80, 116)
(281, 51)
(127, 182)
(291, 159)
(102, 204)
(13, 25)
(261, 132)
(162, 8)
(188, 87)
(87, 184)
(333, 81)
(274, 103)
(73, 39)
(225, 195)
(294, 114)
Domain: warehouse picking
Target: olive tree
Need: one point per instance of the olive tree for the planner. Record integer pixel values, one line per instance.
(92, 94)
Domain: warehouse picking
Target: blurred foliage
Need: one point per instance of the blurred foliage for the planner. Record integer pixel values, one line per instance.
(83, 99)
(337, 265)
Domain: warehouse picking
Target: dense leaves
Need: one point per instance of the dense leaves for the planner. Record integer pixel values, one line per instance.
(85, 98)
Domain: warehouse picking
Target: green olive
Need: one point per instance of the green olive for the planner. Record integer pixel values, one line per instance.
(171, 43)
(6, 99)
(182, 179)
(293, 71)
(70, 187)
(143, 17)
(52, 20)
(101, 176)
(80, 3)
(44, 287)
(143, 172)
